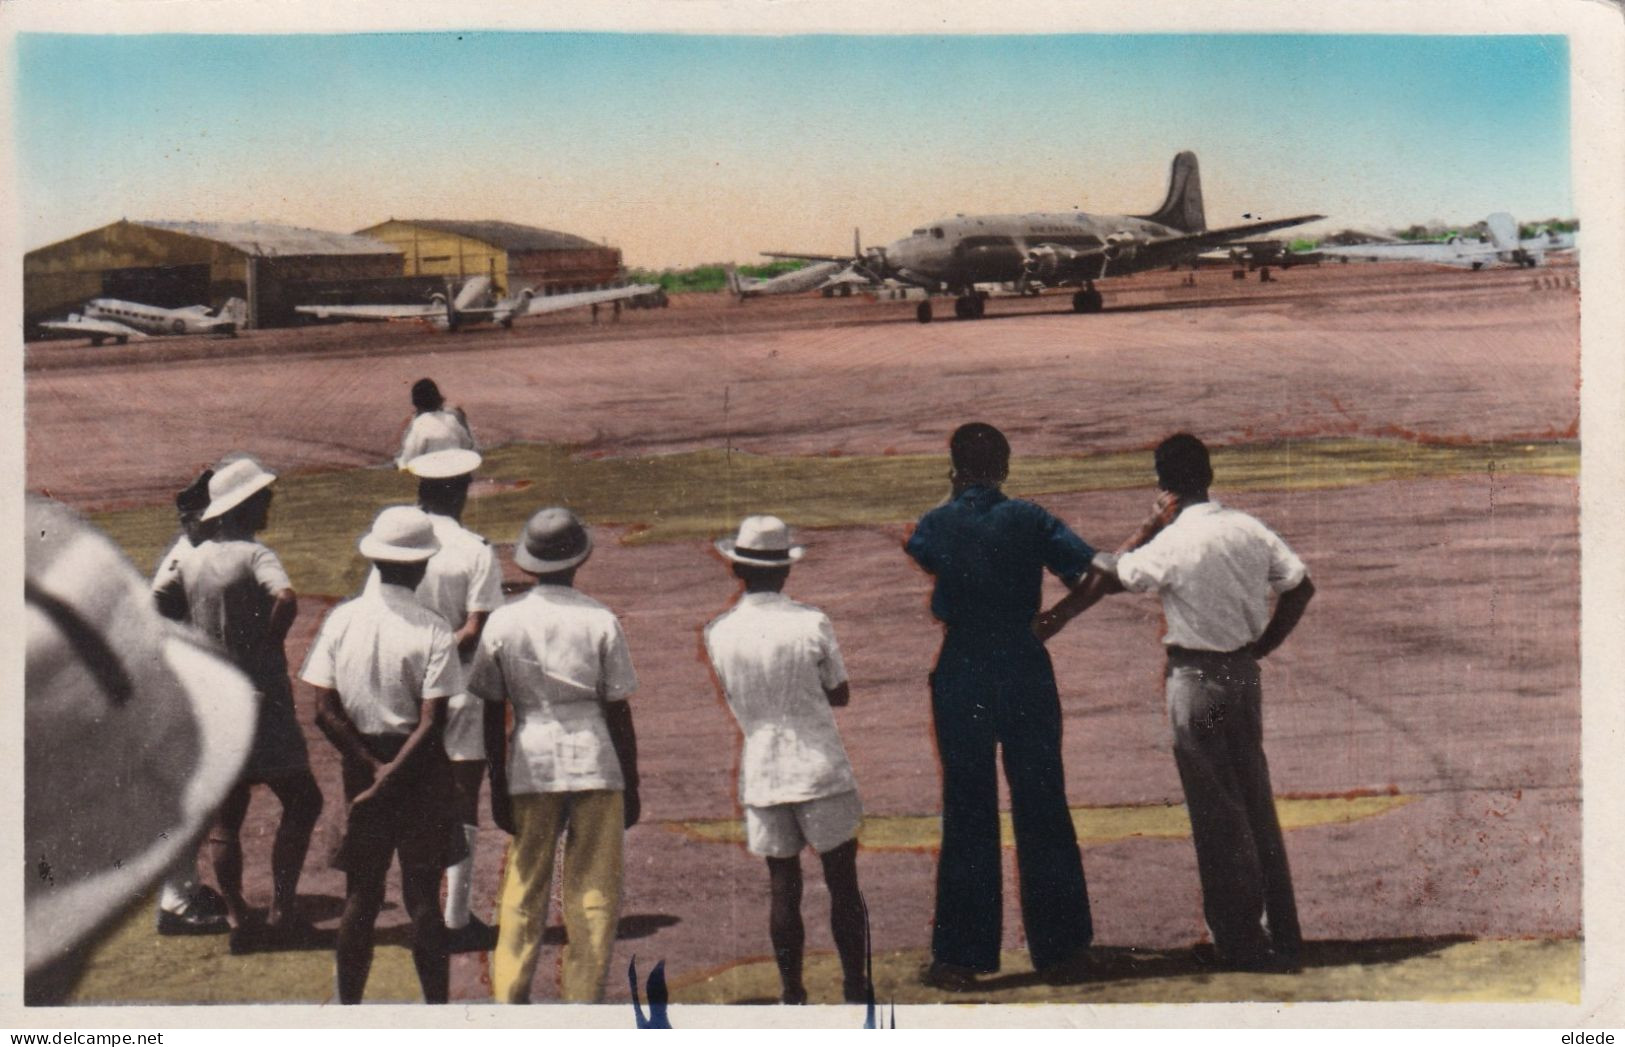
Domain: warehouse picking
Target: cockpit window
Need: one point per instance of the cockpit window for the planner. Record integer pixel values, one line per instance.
(919, 232)
(936, 231)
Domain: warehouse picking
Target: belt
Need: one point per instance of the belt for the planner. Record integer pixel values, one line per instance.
(1175, 651)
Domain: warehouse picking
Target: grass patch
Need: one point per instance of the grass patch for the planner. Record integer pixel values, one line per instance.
(1093, 824)
(318, 517)
(1438, 970)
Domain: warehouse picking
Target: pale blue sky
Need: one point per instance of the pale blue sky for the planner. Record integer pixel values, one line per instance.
(684, 149)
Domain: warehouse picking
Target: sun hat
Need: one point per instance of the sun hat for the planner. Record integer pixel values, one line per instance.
(444, 464)
(552, 540)
(134, 732)
(763, 541)
(400, 534)
(235, 481)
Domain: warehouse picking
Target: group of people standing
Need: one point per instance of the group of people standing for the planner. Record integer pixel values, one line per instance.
(429, 677)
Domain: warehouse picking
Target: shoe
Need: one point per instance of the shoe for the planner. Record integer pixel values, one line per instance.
(1079, 967)
(949, 977)
(290, 932)
(474, 936)
(1265, 961)
(207, 899)
(793, 997)
(193, 919)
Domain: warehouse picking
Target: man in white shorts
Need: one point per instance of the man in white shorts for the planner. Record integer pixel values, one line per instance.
(781, 672)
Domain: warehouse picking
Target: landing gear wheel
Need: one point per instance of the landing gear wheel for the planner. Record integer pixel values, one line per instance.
(1088, 301)
(922, 312)
(963, 309)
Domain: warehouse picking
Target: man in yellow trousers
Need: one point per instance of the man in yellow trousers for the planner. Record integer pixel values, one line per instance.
(560, 660)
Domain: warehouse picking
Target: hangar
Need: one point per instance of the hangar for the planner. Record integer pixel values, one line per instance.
(171, 264)
(514, 256)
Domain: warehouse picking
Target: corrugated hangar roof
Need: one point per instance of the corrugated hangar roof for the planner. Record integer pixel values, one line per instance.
(508, 236)
(265, 240)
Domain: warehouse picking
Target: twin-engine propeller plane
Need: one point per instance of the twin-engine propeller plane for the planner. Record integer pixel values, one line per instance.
(1063, 249)
(475, 303)
(111, 318)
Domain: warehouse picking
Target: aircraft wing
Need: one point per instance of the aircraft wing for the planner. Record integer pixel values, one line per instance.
(844, 259)
(79, 325)
(1196, 243)
(552, 303)
(373, 312)
(1469, 254)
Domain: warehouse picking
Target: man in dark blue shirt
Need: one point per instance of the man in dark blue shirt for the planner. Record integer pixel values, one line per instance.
(993, 686)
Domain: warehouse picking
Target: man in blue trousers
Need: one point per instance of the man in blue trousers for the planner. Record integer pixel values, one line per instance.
(993, 687)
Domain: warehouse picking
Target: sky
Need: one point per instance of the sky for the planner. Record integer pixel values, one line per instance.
(686, 149)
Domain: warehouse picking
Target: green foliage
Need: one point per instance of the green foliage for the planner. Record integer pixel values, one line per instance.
(1302, 245)
(709, 278)
(318, 517)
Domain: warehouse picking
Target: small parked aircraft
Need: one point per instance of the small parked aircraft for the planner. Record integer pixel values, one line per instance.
(1501, 248)
(106, 318)
(832, 278)
(475, 303)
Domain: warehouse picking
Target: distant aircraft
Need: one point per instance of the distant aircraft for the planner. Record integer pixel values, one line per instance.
(1246, 256)
(475, 303)
(831, 278)
(121, 321)
(1070, 248)
(1502, 248)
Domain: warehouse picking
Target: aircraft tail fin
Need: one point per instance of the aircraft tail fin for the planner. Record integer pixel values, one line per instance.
(1503, 231)
(235, 310)
(734, 286)
(1182, 209)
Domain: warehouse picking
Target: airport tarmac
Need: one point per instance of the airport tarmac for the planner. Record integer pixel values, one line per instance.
(1423, 725)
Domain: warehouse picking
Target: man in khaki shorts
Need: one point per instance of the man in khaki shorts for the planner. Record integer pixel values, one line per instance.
(781, 672)
(570, 770)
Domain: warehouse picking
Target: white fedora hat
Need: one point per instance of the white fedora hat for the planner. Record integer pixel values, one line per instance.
(552, 540)
(400, 534)
(235, 481)
(763, 541)
(135, 732)
(443, 465)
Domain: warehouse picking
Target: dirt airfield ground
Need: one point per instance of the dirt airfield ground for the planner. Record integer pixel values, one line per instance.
(1423, 725)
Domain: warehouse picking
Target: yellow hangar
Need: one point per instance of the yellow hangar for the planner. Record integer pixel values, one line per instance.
(514, 256)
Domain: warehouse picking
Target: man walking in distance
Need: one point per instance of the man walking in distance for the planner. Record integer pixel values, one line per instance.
(432, 427)
(993, 687)
(184, 905)
(234, 590)
(463, 584)
(559, 658)
(1215, 569)
(384, 667)
(781, 671)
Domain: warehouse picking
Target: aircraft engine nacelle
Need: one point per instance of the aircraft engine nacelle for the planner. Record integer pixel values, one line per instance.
(1046, 261)
(1122, 246)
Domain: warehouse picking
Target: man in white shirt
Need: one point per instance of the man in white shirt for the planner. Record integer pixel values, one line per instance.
(383, 667)
(560, 659)
(433, 427)
(1216, 569)
(186, 906)
(463, 584)
(235, 591)
(781, 672)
